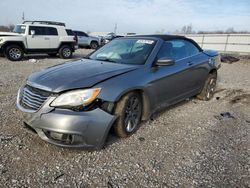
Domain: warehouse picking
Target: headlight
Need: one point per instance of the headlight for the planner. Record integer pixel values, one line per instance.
(76, 98)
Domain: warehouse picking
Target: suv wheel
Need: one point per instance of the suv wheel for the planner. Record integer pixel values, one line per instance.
(129, 112)
(14, 52)
(65, 52)
(94, 45)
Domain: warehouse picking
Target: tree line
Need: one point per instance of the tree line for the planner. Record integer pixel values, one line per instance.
(188, 29)
(7, 28)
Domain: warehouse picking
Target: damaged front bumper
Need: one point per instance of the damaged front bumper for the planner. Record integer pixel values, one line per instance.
(67, 128)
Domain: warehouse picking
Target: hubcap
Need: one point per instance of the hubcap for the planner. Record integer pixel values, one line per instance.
(66, 52)
(132, 114)
(15, 53)
(211, 87)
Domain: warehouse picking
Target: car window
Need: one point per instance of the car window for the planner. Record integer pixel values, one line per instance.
(183, 49)
(38, 30)
(70, 32)
(166, 51)
(125, 51)
(81, 34)
(43, 30)
(191, 48)
(84, 34)
(51, 31)
(19, 29)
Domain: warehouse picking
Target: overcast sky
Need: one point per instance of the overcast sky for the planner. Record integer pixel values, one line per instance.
(140, 16)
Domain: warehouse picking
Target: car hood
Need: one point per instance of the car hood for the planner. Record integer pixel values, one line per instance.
(74, 75)
(3, 34)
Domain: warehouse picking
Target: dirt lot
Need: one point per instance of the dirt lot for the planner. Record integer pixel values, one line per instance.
(188, 145)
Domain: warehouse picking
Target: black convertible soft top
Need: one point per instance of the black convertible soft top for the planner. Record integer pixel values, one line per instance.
(170, 37)
(163, 37)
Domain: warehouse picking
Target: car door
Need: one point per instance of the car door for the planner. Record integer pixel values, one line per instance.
(82, 39)
(39, 38)
(173, 82)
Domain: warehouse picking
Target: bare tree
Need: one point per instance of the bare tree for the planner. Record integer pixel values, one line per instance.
(184, 29)
(187, 29)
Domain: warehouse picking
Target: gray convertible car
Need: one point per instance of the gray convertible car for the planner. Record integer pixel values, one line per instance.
(75, 104)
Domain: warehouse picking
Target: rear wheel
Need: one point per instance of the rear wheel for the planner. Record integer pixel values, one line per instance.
(14, 52)
(208, 90)
(94, 45)
(129, 112)
(65, 52)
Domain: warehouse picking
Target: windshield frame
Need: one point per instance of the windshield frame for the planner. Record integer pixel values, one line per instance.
(20, 25)
(149, 55)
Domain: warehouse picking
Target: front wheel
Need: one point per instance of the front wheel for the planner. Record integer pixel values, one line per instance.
(129, 112)
(65, 52)
(94, 45)
(14, 53)
(209, 87)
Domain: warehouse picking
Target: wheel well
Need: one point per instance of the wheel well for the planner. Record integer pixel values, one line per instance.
(93, 41)
(145, 102)
(213, 71)
(66, 43)
(20, 44)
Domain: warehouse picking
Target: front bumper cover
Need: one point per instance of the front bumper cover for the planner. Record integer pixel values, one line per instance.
(68, 128)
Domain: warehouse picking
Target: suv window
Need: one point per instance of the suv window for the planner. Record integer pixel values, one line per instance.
(70, 32)
(51, 31)
(82, 34)
(177, 49)
(43, 30)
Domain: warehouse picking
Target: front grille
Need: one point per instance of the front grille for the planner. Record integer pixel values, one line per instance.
(33, 98)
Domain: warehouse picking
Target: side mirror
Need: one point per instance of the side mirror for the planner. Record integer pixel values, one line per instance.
(32, 32)
(165, 62)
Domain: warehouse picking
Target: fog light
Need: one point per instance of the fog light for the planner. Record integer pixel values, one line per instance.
(65, 138)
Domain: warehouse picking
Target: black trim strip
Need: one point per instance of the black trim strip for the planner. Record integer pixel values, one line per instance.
(9, 35)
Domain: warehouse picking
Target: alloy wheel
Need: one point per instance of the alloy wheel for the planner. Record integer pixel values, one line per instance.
(132, 113)
(15, 53)
(66, 52)
(211, 87)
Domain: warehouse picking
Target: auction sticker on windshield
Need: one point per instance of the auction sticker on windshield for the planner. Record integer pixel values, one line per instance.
(145, 41)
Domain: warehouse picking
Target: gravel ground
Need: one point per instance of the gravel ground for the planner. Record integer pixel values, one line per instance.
(188, 145)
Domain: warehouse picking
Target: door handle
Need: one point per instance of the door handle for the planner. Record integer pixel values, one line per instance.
(190, 63)
(46, 38)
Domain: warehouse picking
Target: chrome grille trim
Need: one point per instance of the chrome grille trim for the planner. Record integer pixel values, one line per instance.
(33, 98)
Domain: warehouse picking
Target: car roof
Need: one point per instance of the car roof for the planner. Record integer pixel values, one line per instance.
(163, 37)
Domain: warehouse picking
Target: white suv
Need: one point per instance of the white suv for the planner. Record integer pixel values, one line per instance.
(37, 37)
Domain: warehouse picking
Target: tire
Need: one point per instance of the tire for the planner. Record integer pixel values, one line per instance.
(207, 92)
(52, 54)
(94, 45)
(14, 53)
(65, 52)
(126, 124)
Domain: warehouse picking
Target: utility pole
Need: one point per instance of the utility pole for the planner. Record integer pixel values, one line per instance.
(115, 29)
(23, 18)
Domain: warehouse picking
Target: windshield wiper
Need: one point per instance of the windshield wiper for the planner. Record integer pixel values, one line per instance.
(106, 59)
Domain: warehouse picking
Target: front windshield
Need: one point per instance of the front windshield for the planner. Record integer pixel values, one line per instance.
(19, 29)
(125, 51)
